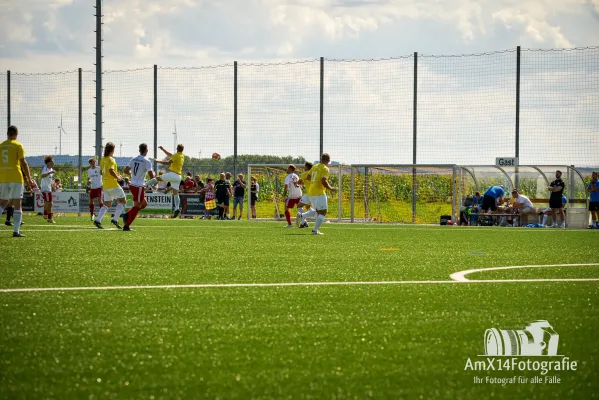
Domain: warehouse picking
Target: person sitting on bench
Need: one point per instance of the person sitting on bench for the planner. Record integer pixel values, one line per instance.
(523, 205)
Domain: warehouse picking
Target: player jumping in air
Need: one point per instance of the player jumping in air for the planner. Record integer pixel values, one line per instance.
(317, 192)
(94, 176)
(292, 193)
(137, 168)
(173, 176)
(14, 170)
(305, 181)
(46, 187)
(112, 189)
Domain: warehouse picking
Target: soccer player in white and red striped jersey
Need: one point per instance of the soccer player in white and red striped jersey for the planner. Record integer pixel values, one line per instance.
(138, 168)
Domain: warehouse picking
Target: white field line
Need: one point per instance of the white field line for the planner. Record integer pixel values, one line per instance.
(461, 275)
(251, 285)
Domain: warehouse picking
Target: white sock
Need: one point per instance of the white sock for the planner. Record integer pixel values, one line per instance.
(152, 182)
(319, 221)
(103, 211)
(119, 210)
(18, 217)
(310, 213)
(544, 220)
(177, 201)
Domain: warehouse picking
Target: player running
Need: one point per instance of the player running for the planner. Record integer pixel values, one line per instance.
(173, 176)
(305, 181)
(112, 189)
(317, 192)
(94, 176)
(46, 187)
(138, 168)
(14, 170)
(292, 193)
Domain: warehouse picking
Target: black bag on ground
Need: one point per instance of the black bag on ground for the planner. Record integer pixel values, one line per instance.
(444, 219)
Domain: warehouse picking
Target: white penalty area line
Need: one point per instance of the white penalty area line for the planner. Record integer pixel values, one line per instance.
(461, 275)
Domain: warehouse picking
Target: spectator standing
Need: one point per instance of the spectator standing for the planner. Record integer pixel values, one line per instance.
(238, 195)
(593, 190)
(200, 186)
(209, 195)
(189, 186)
(228, 177)
(254, 189)
(223, 192)
(555, 200)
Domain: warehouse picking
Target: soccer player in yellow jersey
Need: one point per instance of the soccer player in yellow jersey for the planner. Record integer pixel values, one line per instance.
(173, 176)
(112, 189)
(317, 191)
(13, 167)
(305, 200)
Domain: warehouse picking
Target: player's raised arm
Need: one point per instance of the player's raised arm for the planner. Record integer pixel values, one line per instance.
(168, 153)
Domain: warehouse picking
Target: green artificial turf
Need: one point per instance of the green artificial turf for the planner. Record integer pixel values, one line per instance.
(333, 342)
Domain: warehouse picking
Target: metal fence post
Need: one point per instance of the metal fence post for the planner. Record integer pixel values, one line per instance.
(235, 119)
(352, 194)
(155, 116)
(517, 179)
(414, 137)
(8, 97)
(321, 107)
(80, 126)
(99, 79)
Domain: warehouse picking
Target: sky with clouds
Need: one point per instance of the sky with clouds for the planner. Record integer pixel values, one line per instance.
(368, 105)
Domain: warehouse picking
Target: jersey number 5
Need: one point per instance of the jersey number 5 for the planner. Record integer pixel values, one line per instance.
(5, 156)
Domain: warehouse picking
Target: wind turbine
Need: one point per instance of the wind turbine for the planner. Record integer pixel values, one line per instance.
(175, 137)
(60, 132)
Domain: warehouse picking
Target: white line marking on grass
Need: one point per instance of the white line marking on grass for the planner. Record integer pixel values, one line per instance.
(250, 285)
(461, 275)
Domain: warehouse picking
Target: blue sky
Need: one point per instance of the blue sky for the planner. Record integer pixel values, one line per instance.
(368, 106)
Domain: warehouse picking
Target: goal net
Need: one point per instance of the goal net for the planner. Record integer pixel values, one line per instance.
(418, 194)
(271, 183)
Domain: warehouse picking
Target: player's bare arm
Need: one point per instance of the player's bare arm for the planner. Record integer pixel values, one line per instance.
(115, 175)
(27, 173)
(327, 185)
(168, 153)
(167, 162)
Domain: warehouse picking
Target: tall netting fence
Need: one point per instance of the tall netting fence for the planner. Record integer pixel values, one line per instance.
(559, 122)
(128, 115)
(401, 193)
(278, 109)
(3, 100)
(466, 107)
(368, 110)
(195, 108)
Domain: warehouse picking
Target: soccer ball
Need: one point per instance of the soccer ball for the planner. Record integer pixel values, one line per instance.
(215, 156)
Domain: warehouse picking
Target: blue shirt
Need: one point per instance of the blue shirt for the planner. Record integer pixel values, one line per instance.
(477, 202)
(564, 200)
(495, 192)
(594, 195)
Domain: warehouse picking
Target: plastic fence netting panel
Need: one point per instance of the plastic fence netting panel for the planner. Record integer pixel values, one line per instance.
(466, 108)
(559, 122)
(197, 104)
(128, 115)
(37, 103)
(3, 100)
(368, 109)
(279, 109)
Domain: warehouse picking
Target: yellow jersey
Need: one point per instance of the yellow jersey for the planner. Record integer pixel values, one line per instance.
(307, 183)
(318, 172)
(108, 181)
(11, 154)
(177, 165)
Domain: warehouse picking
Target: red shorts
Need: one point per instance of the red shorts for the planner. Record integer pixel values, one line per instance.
(139, 193)
(95, 193)
(47, 196)
(290, 203)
